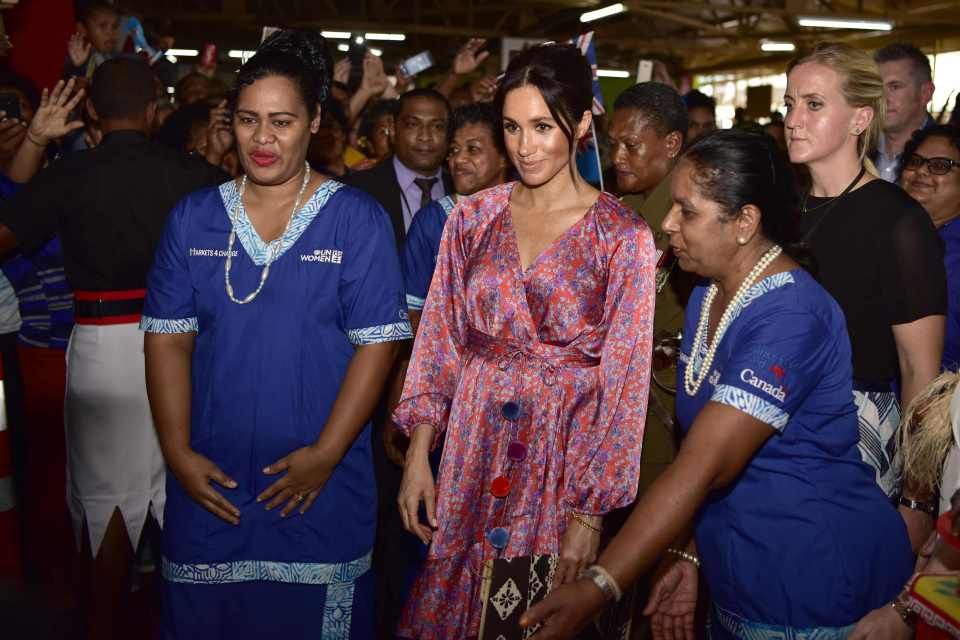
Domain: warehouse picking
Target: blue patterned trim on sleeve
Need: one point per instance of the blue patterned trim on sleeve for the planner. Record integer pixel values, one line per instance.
(414, 303)
(160, 325)
(266, 571)
(255, 247)
(741, 628)
(751, 405)
(381, 333)
(447, 203)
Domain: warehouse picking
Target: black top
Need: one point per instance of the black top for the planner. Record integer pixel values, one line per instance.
(879, 255)
(109, 205)
(380, 182)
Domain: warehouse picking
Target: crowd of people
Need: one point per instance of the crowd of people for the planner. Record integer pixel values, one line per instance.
(372, 359)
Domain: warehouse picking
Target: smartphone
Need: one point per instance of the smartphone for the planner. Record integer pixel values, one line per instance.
(644, 71)
(357, 53)
(420, 62)
(10, 104)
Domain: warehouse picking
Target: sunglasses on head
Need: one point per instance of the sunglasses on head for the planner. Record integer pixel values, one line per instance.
(936, 166)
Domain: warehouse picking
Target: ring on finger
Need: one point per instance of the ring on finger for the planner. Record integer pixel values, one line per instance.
(298, 497)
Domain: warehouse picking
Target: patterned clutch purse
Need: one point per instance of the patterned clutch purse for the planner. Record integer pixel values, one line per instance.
(512, 586)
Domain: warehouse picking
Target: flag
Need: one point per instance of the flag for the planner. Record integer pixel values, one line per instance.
(588, 153)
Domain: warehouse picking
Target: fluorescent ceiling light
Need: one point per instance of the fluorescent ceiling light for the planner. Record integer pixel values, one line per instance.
(605, 12)
(171, 59)
(243, 54)
(396, 37)
(778, 46)
(844, 23)
(336, 35)
(612, 73)
(183, 53)
(376, 52)
(343, 47)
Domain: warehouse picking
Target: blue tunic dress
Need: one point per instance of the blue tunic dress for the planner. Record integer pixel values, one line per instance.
(264, 379)
(420, 249)
(804, 541)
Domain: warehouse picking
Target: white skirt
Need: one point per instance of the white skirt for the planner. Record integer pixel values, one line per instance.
(113, 456)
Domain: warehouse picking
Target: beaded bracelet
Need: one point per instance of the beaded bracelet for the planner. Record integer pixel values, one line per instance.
(603, 581)
(582, 521)
(683, 555)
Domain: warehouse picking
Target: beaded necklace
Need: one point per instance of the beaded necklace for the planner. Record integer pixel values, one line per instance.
(273, 249)
(692, 378)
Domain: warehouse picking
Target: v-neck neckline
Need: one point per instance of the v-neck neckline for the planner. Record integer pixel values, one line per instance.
(550, 248)
(254, 246)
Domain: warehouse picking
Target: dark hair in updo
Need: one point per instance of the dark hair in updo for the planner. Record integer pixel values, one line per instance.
(735, 167)
(298, 54)
(563, 77)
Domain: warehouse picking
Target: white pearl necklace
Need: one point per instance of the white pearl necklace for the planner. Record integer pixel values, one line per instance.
(692, 379)
(272, 250)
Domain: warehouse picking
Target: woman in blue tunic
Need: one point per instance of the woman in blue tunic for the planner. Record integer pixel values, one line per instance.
(272, 314)
(792, 534)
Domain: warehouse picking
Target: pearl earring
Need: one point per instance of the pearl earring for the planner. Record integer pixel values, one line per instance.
(742, 240)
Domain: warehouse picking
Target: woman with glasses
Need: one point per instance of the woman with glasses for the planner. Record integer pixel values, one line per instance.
(877, 253)
(931, 174)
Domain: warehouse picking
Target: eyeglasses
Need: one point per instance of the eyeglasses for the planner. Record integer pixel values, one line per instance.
(936, 166)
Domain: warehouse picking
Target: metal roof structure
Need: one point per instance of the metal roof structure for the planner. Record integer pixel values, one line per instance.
(690, 36)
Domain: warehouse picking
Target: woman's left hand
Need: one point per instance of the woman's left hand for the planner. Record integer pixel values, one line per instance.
(578, 550)
(308, 469)
(566, 611)
(882, 624)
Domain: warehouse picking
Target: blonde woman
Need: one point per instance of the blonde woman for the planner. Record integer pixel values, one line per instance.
(877, 253)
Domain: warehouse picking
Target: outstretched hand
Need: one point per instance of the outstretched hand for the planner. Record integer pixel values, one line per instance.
(374, 77)
(52, 118)
(341, 70)
(78, 49)
(673, 602)
(219, 133)
(467, 59)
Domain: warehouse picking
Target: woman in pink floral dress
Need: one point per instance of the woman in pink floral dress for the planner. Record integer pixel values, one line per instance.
(532, 360)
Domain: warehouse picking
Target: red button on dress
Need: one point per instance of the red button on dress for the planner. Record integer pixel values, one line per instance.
(500, 487)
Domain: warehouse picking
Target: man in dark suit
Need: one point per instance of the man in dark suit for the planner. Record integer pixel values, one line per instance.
(402, 184)
(414, 175)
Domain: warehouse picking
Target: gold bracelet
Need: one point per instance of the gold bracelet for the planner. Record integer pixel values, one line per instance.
(578, 518)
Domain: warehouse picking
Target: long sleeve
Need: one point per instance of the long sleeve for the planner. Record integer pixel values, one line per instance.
(602, 459)
(438, 350)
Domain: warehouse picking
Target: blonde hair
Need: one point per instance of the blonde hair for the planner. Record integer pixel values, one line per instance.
(926, 433)
(860, 84)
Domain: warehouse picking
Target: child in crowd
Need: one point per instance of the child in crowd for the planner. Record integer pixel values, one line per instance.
(95, 41)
